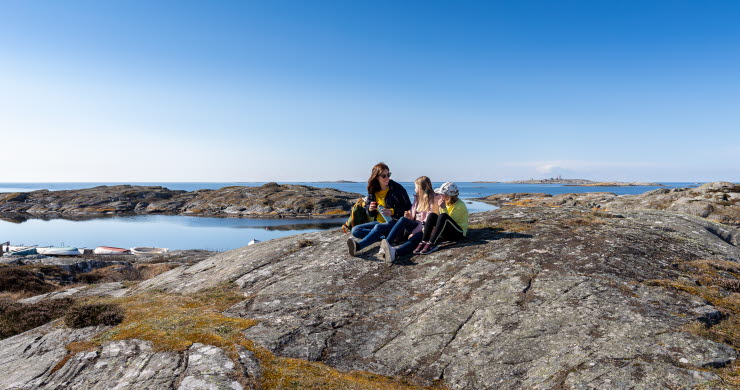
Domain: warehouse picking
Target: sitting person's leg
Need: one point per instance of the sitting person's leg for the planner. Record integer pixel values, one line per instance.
(376, 234)
(445, 229)
(408, 246)
(429, 225)
(399, 229)
(360, 231)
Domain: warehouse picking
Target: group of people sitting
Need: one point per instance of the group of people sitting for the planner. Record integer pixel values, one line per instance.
(403, 227)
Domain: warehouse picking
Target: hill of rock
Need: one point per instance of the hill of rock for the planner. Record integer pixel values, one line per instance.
(718, 201)
(269, 200)
(535, 298)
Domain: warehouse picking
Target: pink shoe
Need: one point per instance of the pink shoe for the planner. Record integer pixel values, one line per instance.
(419, 248)
(428, 248)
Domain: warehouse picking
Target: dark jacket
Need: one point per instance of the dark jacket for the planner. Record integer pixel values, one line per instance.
(396, 199)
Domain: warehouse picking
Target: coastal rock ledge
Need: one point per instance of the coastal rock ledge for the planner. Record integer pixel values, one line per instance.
(717, 201)
(270, 200)
(535, 298)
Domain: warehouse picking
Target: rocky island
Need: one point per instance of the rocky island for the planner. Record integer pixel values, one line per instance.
(537, 297)
(585, 183)
(270, 200)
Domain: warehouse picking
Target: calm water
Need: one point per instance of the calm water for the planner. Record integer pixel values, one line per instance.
(181, 232)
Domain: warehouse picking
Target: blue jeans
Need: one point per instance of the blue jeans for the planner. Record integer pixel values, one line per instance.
(403, 227)
(371, 232)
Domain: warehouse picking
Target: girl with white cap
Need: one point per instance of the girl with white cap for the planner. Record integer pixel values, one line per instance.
(450, 225)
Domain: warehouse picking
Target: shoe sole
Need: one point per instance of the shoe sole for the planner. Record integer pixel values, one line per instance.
(352, 247)
(432, 249)
(387, 250)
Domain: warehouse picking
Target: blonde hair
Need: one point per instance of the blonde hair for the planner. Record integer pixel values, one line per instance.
(425, 196)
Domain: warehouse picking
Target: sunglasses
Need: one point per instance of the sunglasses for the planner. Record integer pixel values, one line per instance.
(382, 176)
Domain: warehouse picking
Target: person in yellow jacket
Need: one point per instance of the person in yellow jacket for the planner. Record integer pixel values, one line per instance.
(450, 225)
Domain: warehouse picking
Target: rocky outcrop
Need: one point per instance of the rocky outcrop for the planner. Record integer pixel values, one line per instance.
(269, 200)
(535, 298)
(618, 184)
(30, 361)
(718, 201)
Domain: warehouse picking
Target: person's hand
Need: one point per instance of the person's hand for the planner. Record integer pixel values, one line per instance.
(387, 212)
(407, 214)
(410, 235)
(373, 206)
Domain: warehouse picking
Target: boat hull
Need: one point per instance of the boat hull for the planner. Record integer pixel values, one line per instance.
(109, 250)
(65, 251)
(148, 250)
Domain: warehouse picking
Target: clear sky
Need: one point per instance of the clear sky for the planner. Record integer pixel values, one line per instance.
(322, 90)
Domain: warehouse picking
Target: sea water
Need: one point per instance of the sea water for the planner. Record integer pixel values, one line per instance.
(187, 232)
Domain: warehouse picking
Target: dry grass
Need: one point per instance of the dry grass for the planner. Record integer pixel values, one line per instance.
(174, 322)
(521, 203)
(718, 283)
(504, 225)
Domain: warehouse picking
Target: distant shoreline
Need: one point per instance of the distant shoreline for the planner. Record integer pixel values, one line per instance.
(586, 183)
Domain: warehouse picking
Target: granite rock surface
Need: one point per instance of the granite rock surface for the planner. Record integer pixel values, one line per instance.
(535, 298)
(718, 201)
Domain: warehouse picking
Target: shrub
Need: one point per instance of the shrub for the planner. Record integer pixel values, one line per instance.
(15, 279)
(18, 317)
(93, 314)
(114, 273)
(305, 243)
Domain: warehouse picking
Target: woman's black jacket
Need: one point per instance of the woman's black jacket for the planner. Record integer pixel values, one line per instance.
(396, 199)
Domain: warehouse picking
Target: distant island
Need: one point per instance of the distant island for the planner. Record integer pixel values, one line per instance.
(584, 183)
(617, 184)
(337, 181)
(483, 181)
(553, 180)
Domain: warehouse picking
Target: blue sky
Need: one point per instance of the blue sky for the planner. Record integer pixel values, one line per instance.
(322, 90)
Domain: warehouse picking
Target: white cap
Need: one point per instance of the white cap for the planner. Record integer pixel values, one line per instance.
(449, 189)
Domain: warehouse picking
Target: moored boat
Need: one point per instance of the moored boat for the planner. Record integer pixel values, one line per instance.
(21, 251)
(148, 251)
(59, 251)
(110, 250)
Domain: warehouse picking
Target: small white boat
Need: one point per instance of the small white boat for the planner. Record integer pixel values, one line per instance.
(141, 250)
(110, 250)
(59, 251)
(253, 242)
(22, 251)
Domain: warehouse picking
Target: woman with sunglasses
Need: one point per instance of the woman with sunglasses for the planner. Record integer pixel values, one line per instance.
(387, 201)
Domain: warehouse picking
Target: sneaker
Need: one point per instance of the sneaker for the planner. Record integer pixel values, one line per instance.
(419, 248)
(389, 252)
(429, 248)
(352, 246)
